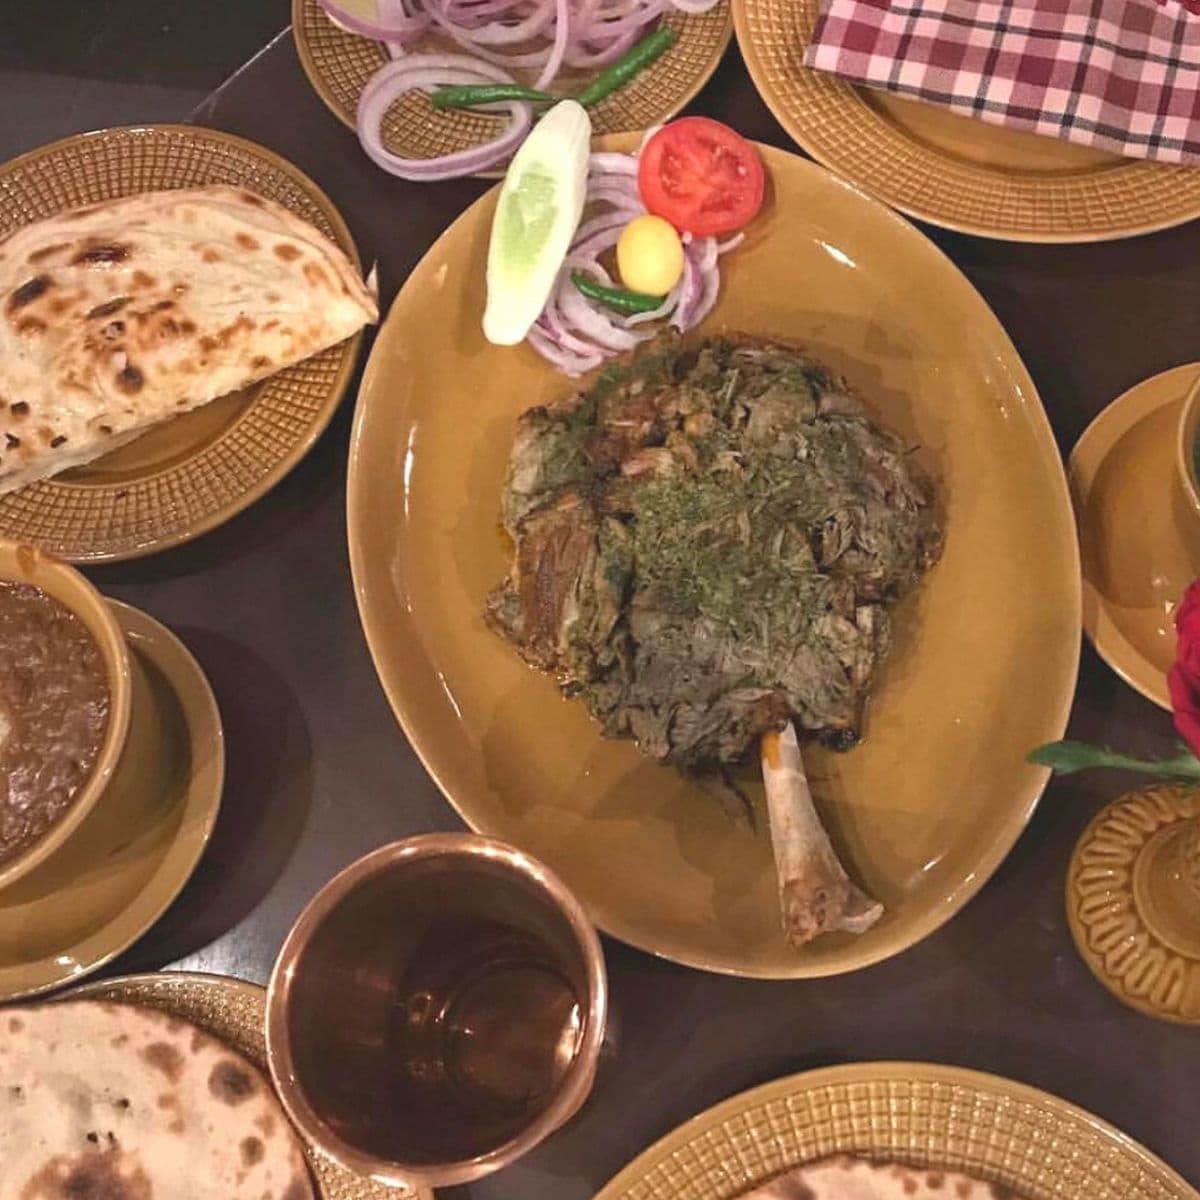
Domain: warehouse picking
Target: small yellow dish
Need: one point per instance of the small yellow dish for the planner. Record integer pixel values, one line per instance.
(1137, 529)
(135, 849)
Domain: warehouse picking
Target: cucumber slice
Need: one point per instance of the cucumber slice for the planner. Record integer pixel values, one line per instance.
(541, 201)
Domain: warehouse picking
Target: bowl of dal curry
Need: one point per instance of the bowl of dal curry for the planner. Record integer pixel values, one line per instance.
(65, 704)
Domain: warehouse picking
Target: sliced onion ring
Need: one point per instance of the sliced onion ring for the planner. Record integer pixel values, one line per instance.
(429, 71)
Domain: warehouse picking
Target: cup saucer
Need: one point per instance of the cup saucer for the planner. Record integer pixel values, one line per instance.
(131, 856)
(1134, 521)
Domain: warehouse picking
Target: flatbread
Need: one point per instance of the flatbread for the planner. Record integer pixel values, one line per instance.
(119, 316)
(844, 1177)
(114, 1102)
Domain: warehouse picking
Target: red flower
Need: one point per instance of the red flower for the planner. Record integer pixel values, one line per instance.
(1184, 677)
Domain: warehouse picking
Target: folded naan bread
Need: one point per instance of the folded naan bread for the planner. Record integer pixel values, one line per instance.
(119, 316)
(843, 1177)
(114, 1102)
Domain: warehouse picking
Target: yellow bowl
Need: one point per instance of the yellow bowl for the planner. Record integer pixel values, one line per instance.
(1185, 450)
(24, 564)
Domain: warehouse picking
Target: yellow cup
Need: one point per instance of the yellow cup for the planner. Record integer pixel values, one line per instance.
(23, 564)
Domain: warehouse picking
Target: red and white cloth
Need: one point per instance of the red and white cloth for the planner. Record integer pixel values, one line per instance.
(1120, 75)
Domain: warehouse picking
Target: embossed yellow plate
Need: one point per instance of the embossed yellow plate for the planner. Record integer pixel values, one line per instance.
(949, 169)
(338, 65)
(984, 667)
(921, 1114)
(189, 475)
(232, 1010)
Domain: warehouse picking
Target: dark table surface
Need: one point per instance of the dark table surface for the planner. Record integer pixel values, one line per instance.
(319, 772)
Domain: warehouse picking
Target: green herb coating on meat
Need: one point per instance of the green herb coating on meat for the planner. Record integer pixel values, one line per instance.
(706, 545)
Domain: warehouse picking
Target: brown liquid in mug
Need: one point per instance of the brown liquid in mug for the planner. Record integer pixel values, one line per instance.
(54, 702)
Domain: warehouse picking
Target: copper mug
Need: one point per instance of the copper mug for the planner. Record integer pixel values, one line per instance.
(436, 1011)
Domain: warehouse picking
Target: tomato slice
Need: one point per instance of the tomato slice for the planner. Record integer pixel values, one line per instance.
(702, 176)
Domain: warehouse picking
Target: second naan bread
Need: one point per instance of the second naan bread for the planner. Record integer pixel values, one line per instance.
(844, 1177)
(116, 1102)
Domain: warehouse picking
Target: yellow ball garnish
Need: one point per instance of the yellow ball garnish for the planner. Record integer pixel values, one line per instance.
(649, 256)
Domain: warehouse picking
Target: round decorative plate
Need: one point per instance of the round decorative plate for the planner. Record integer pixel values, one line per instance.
(1133, 900)
(338, 65)
(949, 169)
(182, 478)
(1138, 557)
(233, 1011)
(925, 809)
(920, 1114)
(116, 875)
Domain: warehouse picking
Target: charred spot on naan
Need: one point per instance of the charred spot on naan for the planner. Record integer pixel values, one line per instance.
(252, 1150)
(101, 254)
(93, 1175)
(230, 1082)
(40, 256)
(286, 252)
(27, 326)
(108, 308)
(162, 1056)
(28, 292)
(130, 380)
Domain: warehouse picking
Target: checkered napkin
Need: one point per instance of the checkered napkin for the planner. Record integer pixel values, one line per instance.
(1120, 75)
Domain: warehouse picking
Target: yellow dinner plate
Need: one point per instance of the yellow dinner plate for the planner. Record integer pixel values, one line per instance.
(950, 169)
(920, 1114)
(1139, 554)
(186, 476)
(338, 65)
(232, 1010)
(117, 873)
(984, 667)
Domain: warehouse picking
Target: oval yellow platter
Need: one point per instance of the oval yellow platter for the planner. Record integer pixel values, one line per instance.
(984, 667)
(949, 169)
(338, 65)
(233, 1011)
(187, 476)
(921, 1114)
(121, 869)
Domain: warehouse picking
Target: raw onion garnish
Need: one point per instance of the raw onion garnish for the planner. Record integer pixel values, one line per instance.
(576, 334)
(499, 36)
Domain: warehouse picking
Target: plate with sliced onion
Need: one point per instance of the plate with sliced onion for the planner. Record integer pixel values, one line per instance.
(377, 63)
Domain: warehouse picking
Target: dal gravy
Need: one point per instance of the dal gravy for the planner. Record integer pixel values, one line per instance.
(54, 702)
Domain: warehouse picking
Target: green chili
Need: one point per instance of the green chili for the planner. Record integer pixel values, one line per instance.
(625, 68)
(616, 298)
(472, 95)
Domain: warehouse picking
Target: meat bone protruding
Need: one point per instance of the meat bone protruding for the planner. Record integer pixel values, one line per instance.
(815, 894)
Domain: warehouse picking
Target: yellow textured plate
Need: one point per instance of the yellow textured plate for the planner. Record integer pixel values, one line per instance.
(1134, 529)
(949, 169)
(918, 1113)
(984, 668)
(232, 1010)
(118, 872)
(338, 65)
(189, 475)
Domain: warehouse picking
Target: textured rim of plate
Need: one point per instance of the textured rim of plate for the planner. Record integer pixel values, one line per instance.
(181, 859)
(338, 64)
(232, 1010)
(923, 1114)
(84, 522)
(402, 709)
(1121, 656)
(833, 123)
